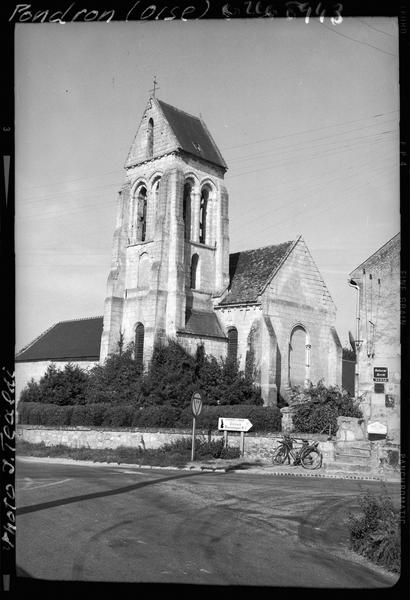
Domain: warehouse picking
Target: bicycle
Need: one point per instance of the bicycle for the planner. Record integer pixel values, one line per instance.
(309, 455)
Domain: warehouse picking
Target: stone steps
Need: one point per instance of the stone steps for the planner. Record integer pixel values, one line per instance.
(352, 459)
(349, 467)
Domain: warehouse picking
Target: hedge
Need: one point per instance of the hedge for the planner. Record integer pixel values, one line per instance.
(108, 415)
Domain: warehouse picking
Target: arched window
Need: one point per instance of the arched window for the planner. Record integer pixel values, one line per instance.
(150, 138)
(299, 357)
(194, 271)
(232, 344)
(203, 215)
(139, 344)
(142, 214)
(186, 211)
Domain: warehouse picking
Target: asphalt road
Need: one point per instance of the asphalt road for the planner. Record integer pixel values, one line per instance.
(124, 524)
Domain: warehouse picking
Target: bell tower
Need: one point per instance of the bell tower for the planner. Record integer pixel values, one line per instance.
(171, 241)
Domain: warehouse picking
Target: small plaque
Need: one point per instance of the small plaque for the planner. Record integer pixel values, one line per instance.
(379, 388)
(389, 401)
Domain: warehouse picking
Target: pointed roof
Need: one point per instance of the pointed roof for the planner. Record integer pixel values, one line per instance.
(251, 270)
(192, 134)
(383, 250)
(77, 339)
(177, 130)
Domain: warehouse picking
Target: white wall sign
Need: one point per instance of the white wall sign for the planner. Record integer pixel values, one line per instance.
(377, 427)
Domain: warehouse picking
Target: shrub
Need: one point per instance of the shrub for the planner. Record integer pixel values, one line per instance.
(90, 414)
(118, 416)
(65, 387)
(319, 406)
(156, 416)
(31, 393)
(118, 380)
(311, 418)
(375, 533)
(31, 413)
(203, 449)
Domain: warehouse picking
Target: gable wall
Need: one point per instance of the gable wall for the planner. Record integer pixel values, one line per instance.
(298, 295)
(164, 139)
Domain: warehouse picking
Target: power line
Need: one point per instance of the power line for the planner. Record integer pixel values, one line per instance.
(308, 130)
(349, 145)
(250, 172)
(355, 40)
(233, 160)
(319, 184)
(309, 144)
(375, 28)
(101, 204)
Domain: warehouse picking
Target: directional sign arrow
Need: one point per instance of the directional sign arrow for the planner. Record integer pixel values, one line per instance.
(234, 424)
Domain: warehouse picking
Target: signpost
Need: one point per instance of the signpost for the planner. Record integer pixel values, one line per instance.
(241, 425)
(196, 407)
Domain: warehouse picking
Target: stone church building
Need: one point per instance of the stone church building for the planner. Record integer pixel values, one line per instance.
(172, 275)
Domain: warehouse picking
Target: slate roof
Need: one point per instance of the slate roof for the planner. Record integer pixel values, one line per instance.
(68, 340)
(203, 324)
(249, 272)
(192, 134)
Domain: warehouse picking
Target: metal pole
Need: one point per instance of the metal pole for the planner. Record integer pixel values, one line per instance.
(225, 438)
(242, 443)
(356, 389)
(354, 285)
(193, 440)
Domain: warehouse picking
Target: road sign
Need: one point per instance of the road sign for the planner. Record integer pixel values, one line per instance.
(234, 424)
(380, 374)
(196, 404)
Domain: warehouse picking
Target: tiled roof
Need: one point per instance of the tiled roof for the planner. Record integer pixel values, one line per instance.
(203, 324)
(249, 271)
(393, 243)
(192, 134)
(68, 340)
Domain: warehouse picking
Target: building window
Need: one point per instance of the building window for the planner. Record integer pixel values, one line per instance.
(232, 344)
(142, 214)
(299, 357)
(150, 138)
(186, 211)
(194, 271)
(203, 215)
(139, 344)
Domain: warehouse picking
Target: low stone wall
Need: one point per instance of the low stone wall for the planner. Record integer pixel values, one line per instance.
(382, 457)
(257, 447)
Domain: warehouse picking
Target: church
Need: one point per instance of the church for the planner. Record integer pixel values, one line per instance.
(172, 275)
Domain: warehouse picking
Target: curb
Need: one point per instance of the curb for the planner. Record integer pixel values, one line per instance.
(217, 469)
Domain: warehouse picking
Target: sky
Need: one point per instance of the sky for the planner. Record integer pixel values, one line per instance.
(306, 117)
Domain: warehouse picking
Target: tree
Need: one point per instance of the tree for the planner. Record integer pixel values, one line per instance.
(118, 380)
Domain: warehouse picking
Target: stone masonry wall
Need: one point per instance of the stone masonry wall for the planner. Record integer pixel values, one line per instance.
(298, 296)
(380, 332)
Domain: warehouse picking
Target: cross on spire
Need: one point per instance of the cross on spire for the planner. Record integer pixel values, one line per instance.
(155, 86)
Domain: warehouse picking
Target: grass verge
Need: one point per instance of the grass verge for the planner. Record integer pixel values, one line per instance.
(375, 532)
(174, 454)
